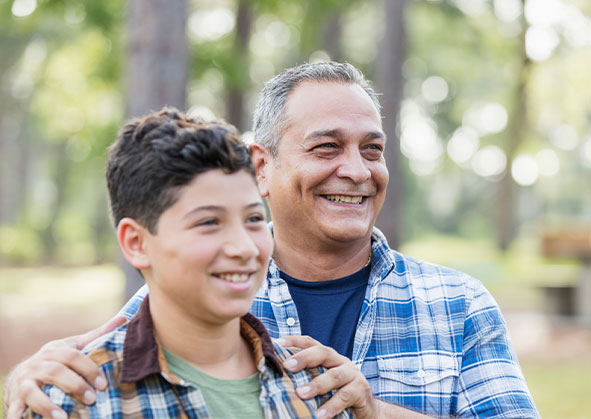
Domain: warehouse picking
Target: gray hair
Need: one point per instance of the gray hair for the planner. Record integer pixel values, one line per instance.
(269, 115)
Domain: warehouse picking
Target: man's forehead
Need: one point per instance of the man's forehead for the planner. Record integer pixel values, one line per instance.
(313, 100)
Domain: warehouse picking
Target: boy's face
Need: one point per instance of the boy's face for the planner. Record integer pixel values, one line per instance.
(211, 250)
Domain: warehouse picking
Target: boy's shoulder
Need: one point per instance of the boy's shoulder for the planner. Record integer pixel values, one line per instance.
(107, 348)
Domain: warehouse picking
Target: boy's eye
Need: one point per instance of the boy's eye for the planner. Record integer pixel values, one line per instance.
(207, 222)
(256, 218)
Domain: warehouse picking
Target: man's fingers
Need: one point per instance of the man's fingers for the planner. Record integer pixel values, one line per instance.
(69, 381)
(314, 356)
(82, 340)
(15, 410)
(345, 397)
(333, 378)
(37, 401)
(302, 342)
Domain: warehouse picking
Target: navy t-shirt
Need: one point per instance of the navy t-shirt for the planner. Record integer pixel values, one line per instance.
(329, 310)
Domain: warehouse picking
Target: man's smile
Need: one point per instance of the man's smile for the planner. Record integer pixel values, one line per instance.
(348, 199)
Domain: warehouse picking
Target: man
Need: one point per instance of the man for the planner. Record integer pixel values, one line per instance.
(189, 217)
(411, 336)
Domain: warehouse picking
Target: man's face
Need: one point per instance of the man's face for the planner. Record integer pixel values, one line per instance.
(211, 250)
(329, 180)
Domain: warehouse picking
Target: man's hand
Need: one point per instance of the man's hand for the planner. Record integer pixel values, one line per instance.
(59, 363)
(353, 390)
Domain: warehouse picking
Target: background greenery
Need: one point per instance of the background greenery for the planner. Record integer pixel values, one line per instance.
(490, 144)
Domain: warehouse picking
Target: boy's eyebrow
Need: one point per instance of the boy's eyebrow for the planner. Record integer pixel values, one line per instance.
(255, 204)
(219, 208)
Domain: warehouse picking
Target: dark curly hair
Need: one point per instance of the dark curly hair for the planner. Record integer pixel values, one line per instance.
(154, 156)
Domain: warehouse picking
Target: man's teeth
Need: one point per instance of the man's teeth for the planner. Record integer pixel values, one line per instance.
(234, 277)
(345, 198)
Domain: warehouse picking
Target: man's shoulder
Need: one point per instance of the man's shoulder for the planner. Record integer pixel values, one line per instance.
(423, 273)
(394, 265)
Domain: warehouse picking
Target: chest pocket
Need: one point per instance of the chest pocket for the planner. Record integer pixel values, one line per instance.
(432, 371)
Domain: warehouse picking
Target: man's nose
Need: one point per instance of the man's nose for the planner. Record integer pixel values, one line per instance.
(354, 167)
(239, 244)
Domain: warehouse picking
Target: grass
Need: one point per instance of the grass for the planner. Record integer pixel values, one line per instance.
(2, 380)
(560, 388)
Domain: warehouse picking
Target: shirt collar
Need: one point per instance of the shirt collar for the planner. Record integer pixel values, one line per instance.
(143, 356)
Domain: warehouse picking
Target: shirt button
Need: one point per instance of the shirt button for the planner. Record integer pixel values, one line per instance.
(420, 373)
(290, 321)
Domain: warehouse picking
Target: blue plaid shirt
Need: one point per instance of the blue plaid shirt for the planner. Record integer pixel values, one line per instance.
(428, 338)
(140, 383)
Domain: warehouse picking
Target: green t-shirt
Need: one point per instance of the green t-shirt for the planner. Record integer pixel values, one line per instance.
(223, 398)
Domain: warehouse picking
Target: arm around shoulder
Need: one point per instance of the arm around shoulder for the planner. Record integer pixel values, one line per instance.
(59, 363)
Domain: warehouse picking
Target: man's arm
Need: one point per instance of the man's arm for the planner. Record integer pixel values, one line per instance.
(59, 363)
(491, 383)
(62, 364)
(353, 390)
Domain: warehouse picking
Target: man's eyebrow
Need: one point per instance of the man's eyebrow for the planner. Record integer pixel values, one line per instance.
(336, 133)
(376, 135)
(332, 133)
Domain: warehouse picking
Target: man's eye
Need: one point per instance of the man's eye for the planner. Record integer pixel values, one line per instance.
(327, 145)
(373, 152)
(377, 147)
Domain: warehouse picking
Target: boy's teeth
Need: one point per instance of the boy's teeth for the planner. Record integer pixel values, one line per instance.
(234, 277)
(345, 198)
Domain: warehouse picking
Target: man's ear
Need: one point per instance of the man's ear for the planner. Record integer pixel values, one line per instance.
(131, 236)
(262, 161)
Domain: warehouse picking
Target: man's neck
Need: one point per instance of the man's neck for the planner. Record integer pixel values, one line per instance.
(321, 263)
(217, 350)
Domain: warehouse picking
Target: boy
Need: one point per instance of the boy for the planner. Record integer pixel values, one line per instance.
(189, 217)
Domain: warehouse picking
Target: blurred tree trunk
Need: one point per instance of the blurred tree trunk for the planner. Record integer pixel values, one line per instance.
(322, 29)
(157, 55)
(507, 224)
(333, 31)
(389, 82)
(235, 98)
(60, 180)
(15, 158)
(156, 73)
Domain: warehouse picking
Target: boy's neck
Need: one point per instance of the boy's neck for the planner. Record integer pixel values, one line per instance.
(217, 350)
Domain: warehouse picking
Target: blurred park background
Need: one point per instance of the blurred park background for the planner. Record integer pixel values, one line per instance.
(487, 105)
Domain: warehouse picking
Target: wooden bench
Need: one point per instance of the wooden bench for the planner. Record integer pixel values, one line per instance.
(569, 299)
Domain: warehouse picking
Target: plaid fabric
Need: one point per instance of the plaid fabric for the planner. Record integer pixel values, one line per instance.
(429, 338)
(160, 394)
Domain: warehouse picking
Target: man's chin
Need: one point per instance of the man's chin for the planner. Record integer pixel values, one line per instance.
(348, 233)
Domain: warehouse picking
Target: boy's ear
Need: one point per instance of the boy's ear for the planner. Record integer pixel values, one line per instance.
(262, 160)
(131, 237)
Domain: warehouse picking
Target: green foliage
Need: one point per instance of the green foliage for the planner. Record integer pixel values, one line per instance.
(61, 69)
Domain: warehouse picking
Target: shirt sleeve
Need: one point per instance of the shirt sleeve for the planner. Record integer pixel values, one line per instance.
(133, 305)
(491, 383)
